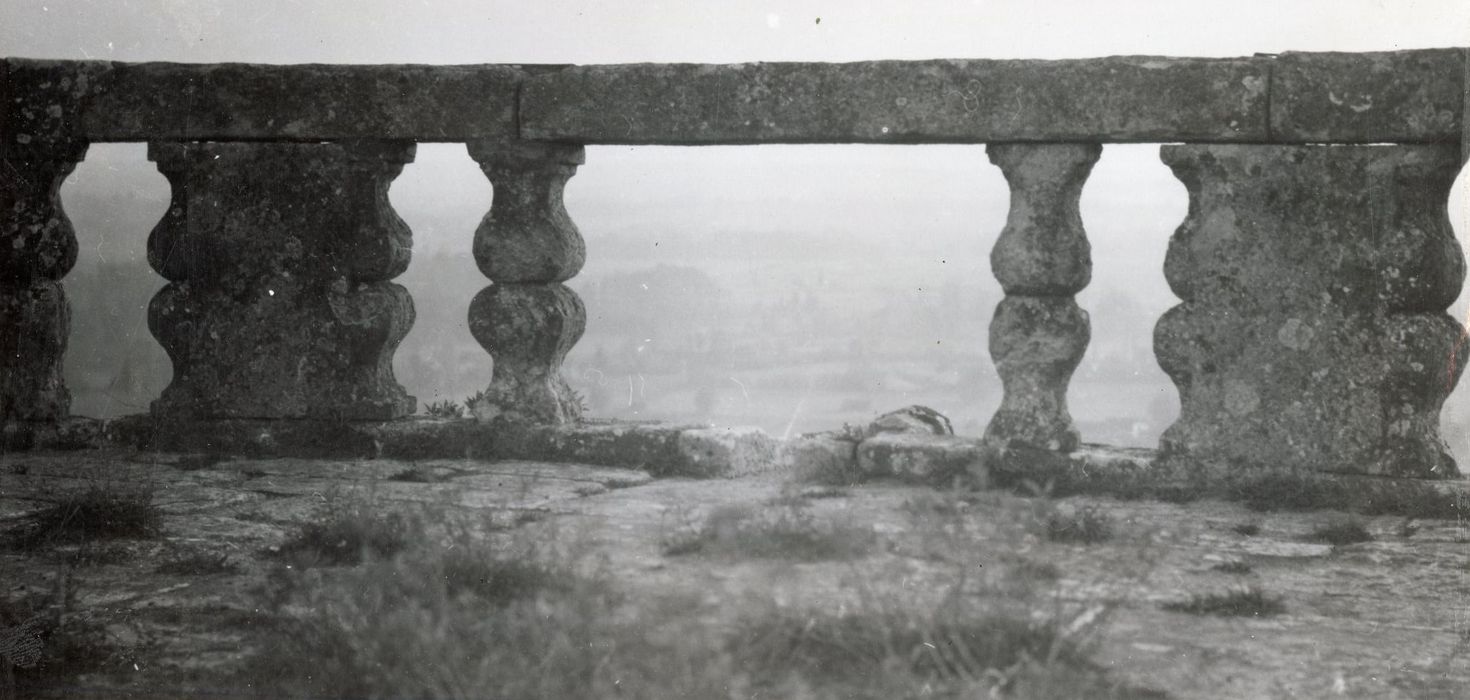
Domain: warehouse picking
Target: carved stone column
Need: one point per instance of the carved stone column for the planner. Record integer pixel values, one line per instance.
(1313, 333)
(37, 248)
(278, 257)
(1042, 259)
(527, 245)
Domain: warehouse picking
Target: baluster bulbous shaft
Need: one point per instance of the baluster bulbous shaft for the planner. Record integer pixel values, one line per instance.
(278, 257)
(1042, 259)
(527, 245)
(37, 248)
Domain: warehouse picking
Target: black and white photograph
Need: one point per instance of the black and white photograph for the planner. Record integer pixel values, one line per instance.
(734, 350)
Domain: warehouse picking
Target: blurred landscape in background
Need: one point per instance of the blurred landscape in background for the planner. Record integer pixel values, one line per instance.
(793, 288)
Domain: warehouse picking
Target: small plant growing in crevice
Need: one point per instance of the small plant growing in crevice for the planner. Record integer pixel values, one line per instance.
(444, 409)
(95, 514)
(575, 398)
(1340, 533)
(1234, 566)
(1245, 602)
(1086, 525)
(349, 531)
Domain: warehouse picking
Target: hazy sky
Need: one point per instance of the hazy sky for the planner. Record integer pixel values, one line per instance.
(586, 31)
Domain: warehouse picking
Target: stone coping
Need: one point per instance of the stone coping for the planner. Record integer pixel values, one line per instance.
(1413, 96)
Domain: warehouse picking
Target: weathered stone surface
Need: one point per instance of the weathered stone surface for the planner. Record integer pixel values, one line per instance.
(278, 305)
(963, 101)
(728, 451)
(1313, 333)
(102, 101)
(528, 330)
(1043, 249)
(821, 458)
(1036, 344)
(1398, 96)
(927, 459)
(46, 99)
(1042, 258)
(37, 248)
(661, 450)
(36, 237)
(35, 320)
(1414, 96)
(528, 236)
(527, 244)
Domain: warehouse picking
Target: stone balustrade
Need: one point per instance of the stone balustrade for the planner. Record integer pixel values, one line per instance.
(1314, 267)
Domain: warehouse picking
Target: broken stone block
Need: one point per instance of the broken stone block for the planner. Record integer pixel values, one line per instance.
(821, 458)
(911, 419)
(727, 451)
(938, 460)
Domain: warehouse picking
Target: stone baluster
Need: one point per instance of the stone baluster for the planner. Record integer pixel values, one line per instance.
(1313, 333)
(37, 248)
(1042, 259)
(527, 245)
(278, 257)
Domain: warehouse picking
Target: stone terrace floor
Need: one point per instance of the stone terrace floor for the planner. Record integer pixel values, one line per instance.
(1387, 618)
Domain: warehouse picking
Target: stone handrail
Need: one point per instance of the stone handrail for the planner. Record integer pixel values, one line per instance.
(1314, 267)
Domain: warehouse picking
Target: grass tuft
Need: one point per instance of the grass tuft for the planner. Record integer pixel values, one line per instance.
(444, 409)
(941, 647)
(1246, 602)
(475, 614)
(1341, 532)
(784, 529)
(95, 514)
(1086, 525)
(350, 531)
